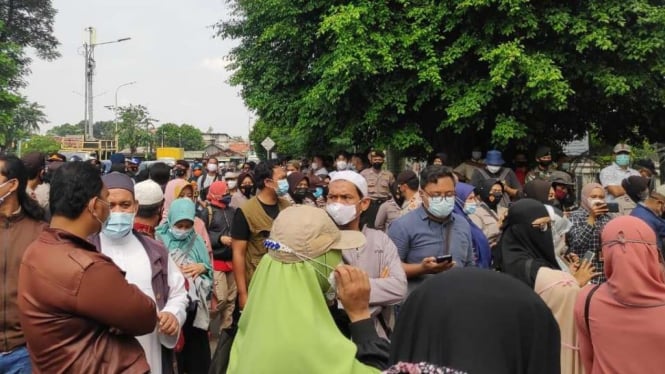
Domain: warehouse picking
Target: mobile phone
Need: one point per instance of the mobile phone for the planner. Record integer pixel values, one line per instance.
(612, 207)
(588, 256)
(444, 258)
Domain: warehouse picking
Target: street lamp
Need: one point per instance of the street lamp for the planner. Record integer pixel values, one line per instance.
(115, 109)
(89, 48)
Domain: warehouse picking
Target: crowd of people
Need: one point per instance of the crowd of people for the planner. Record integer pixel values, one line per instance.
(330, 265)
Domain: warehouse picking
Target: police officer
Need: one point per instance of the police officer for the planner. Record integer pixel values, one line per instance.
(378, 185)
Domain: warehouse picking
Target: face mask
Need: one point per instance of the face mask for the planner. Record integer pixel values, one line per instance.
(441, 207)
(592, 202)
(118, 225)
(247, 190)
(623, 160)
(232, 184)
(545, 163)
(493, 168)
(315, 166)
(560, 194)
(352, 167)
(211, 168)
(377, 165)
(179, 172)
(318, 192)
(341, 165)
(289, 173)
(476, 155)
(470, 208)
(2, 199)
(300, 194)
(226, 200)
(340, 213)
(179, 234)
(282, 187)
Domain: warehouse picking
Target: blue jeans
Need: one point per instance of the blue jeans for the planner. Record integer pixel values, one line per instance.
(16, 361)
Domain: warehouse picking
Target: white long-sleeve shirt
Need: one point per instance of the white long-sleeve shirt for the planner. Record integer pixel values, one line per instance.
(131, 257)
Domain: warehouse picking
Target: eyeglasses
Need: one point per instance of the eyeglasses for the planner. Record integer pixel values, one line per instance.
(448, 194)
(542, 226)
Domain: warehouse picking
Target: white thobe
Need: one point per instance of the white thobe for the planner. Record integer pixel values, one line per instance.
(131, 257)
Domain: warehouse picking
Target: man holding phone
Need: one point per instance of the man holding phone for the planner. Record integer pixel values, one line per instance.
(433, 230)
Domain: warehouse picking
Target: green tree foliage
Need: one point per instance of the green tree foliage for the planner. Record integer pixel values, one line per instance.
(134, 127)
(420, 75)
(29, 23)
(185, 136)
(40, 143)
(25, 120)
(66, 129)
(101, 129)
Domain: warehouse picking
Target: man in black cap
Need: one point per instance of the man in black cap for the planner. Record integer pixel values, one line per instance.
(378, 185)
(545, 167)
(647, 169)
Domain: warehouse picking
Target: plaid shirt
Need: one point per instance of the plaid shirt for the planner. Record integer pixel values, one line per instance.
(583, 237)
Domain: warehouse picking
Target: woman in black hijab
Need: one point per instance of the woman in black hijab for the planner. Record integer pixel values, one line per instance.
(477, 321)
(491, 193)
(526, 243)
(540, 190)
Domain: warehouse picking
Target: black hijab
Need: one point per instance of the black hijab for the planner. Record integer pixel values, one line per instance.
(484, 192)
(477, 321)
(538, 189)
(524, 249)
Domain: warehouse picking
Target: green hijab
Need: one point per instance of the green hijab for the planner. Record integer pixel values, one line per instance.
(286, 326)
(184, 209)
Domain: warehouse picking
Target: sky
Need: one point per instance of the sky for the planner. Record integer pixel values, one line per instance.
(178, 66)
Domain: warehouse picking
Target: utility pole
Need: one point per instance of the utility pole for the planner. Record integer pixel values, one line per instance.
(89, 49)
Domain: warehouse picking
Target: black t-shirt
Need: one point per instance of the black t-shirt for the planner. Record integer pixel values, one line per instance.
(240, 227)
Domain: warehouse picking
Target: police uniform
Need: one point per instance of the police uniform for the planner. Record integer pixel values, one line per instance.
(378, 186)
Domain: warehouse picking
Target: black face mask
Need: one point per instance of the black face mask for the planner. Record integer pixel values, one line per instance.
(377, 165)
(545, 163)
(179, 172)
(247, 191)
(300, 194)
(226, 200)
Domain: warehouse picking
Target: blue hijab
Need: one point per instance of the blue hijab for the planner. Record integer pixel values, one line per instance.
(480, 243)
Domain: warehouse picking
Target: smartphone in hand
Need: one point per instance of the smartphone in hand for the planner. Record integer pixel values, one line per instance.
(588, 256)
(445, 258)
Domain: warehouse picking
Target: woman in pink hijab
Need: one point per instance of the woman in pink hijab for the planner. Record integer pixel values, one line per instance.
(621, 323)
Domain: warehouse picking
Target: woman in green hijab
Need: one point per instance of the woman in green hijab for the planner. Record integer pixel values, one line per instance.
(286, 326)
(189, 252)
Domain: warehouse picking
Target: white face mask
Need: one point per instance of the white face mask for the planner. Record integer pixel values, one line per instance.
(315, 166)
(232, 184)
(341, 165)
(340, 213)
(493, 168)
(593, 201)
(211, 167)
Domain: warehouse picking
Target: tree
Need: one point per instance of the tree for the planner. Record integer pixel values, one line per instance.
(40, 143)
(29, 24)
(25, 120)
(420, 75)
(185, 136)
(9, 99)
(66, 129)
(134, 126)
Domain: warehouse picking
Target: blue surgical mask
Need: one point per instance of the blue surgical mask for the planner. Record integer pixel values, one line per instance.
(470, 208)
(118, 225)
(441, 207)
(282, 187)
(623, 160)
(179, 234)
